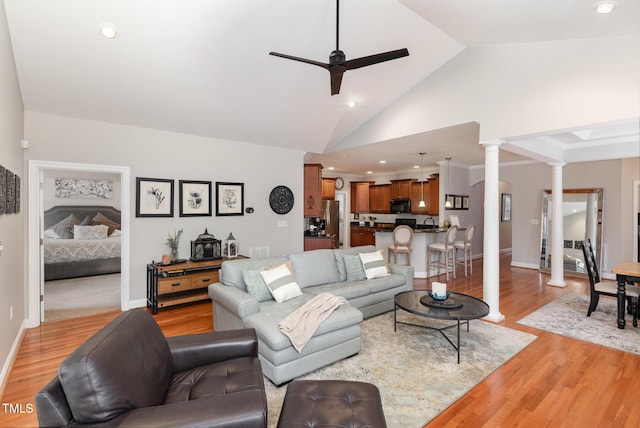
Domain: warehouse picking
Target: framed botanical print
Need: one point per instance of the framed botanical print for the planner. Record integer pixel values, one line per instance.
(154, 197)
(195, 198)
(229, 198)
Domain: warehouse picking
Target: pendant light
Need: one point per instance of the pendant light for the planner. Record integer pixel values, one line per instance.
(421, 204)
(447, 203)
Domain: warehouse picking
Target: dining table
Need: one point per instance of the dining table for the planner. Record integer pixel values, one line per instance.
(626, 273)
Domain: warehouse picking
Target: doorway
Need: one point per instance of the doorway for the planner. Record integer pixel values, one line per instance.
(36, 171)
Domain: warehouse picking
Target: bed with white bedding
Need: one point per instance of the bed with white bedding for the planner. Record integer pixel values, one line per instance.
(81, 241)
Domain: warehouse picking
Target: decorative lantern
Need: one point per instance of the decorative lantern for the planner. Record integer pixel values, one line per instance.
(231, 246)
(205, 247)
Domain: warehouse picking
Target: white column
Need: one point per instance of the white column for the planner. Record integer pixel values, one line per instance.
(557, 229)
(491, 244)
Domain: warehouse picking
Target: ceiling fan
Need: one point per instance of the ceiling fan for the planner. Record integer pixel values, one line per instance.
(338, 63)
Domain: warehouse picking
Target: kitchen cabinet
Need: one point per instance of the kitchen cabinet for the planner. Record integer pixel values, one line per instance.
(401, 189)
(362, 235)
(312, 189)
(328, 189)
(417, 189)
(315, 243)
(360, 196)
(379, 198)
(433, 204)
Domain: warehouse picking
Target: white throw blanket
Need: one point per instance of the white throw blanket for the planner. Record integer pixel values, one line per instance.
(300, 324)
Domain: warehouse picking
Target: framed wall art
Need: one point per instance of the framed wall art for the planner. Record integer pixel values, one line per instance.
(195, 198)
(154, 197)
(505, 213)
(449, 199)
(10, 192)
(83, 188)
(457, 202)
(3, 190)
(229, 198)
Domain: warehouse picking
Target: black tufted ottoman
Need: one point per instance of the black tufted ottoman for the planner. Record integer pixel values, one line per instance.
(327, 403)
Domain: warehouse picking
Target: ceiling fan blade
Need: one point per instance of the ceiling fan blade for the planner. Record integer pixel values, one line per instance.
(295, 58)
(364, 61)
(336, 79)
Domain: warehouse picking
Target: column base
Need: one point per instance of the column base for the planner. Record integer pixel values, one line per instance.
(555, 283)
(494, 317)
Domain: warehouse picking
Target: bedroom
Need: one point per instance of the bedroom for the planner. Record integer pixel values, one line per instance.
(81, 257)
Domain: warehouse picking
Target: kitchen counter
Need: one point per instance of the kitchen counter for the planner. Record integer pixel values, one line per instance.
(421, 239)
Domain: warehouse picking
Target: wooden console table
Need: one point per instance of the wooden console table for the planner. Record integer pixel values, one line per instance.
(169, 285)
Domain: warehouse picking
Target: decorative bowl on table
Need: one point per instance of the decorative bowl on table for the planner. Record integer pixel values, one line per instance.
(438, 297)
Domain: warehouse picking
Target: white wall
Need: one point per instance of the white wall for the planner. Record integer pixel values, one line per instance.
(529, 179)
(12, 230)
(518, 89)
(159, 154)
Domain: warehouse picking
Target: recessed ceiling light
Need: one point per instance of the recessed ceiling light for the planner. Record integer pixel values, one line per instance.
(369, 172)
(382, 161)
(108, 31)
(351, 104)
(416, 166)
(605, 6)
(331, 168)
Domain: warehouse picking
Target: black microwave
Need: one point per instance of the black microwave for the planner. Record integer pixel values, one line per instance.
(400, 206)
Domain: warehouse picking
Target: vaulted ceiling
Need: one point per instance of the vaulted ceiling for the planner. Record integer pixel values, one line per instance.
(202, 67)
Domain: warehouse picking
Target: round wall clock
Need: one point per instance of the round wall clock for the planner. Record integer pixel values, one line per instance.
(339, 183)
(281, 199)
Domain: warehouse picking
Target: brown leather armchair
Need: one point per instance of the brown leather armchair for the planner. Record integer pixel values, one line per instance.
(129, 374)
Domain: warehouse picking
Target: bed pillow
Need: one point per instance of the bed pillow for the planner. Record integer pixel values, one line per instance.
(103, 219)
(374, 264)
(354, 268)
(88, 221)
(64, 228)
(90, 232)
(256, 285)
(116, 232)
(51, 234)
(281, 283)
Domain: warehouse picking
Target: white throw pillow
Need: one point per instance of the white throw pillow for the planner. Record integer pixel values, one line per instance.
(374, 264)
(90, 232)
(281, 283)
(116, 232)
(51, 234)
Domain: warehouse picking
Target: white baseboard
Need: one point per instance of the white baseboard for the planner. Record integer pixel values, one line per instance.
(13, 352)
(525, 265)
(139, 303)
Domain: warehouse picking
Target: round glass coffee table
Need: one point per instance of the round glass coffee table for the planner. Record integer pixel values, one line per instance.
(458, 307)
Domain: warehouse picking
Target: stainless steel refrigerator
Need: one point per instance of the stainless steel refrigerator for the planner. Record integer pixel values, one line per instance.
(330, 215)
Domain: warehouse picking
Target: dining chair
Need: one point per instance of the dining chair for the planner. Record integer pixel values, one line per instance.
(598, 288)
(402, 238)
(445, 249)
(465, 246)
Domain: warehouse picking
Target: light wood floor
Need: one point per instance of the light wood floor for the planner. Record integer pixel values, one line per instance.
(554, 382)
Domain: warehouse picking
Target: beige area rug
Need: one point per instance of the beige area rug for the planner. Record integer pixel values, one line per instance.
(416, 369)
(567, 316)
(76, 297)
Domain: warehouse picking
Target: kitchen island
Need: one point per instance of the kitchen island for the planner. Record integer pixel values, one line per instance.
(421, 238)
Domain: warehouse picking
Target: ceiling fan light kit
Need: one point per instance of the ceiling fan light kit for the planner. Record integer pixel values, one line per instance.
(338, 62)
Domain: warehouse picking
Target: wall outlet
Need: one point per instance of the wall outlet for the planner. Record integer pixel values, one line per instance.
(283, 223)
(535, 221)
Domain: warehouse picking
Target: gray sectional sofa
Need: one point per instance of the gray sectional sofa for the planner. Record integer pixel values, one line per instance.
(318, 271)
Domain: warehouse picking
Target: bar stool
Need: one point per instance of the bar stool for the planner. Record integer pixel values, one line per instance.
(445, 248)
(402, 237)
(465, 246)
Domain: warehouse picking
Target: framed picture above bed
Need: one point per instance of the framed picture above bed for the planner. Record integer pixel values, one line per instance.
(195, 198)
(154, 197)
